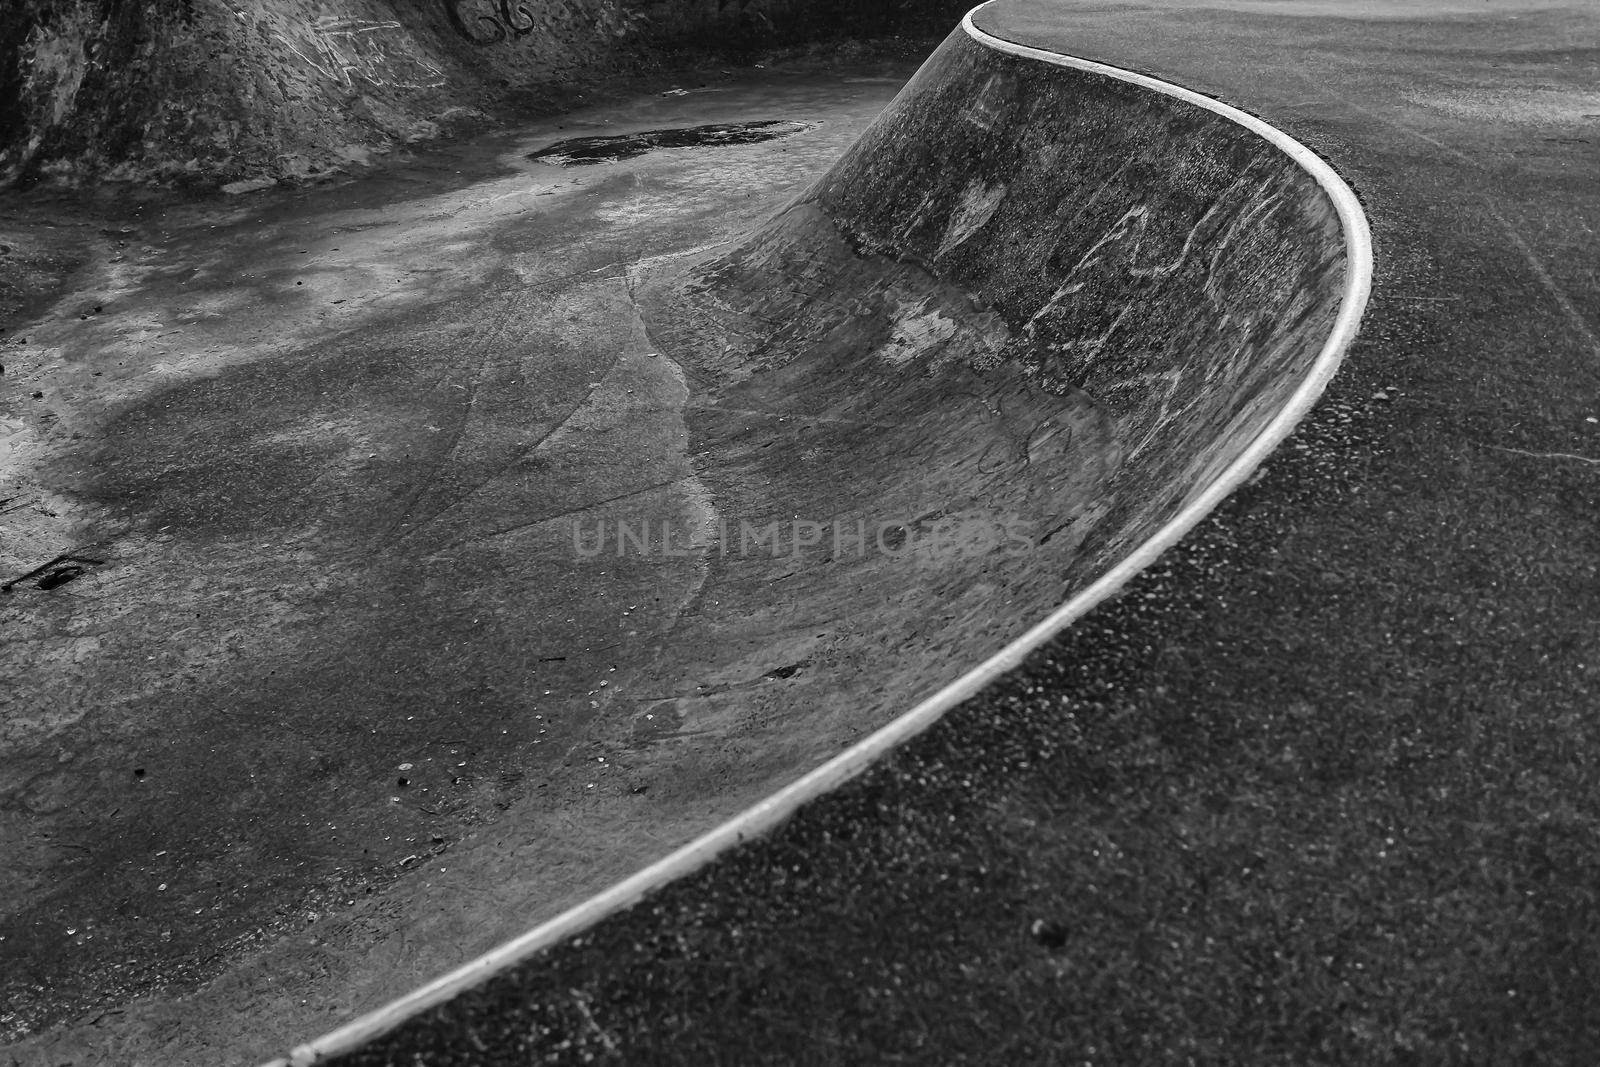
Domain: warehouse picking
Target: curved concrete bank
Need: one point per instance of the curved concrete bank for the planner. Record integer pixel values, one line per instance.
(1036, 323)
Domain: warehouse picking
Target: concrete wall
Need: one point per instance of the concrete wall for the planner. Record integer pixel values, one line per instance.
(1177, 268)
(745, 24)
(218, 91)
(212, 91)
(1027, 318)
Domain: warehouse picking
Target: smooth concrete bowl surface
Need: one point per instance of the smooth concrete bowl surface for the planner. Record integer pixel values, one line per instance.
(446, 620)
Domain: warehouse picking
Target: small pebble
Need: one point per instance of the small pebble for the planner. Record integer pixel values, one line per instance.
(1047, 933)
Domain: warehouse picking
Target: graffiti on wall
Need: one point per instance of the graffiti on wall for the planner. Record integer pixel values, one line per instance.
(505, 20)
(486, 22)
(346, 49)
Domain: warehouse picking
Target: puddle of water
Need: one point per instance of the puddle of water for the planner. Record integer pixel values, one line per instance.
(587, 151)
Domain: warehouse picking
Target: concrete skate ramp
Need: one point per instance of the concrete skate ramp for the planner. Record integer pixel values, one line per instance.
(1026, 321)
(1016, 340)
(1024, 333)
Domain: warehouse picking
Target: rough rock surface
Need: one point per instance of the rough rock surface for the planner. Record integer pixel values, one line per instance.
(220, 92)
(240, 93)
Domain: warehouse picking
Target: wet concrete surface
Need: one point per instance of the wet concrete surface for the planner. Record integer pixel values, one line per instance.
(589, 151)
(318, 459)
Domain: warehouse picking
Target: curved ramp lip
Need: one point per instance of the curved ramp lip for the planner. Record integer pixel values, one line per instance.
(779, 806)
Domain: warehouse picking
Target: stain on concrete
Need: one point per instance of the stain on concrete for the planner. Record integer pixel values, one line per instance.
(587, 151)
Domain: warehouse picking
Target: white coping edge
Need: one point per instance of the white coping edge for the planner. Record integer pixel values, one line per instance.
(778, 807)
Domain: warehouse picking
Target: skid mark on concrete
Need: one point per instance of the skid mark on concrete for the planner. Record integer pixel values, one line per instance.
(1569, 310)
(1574, 317)
(487, 346)
(1546, 455)
(588, 507)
